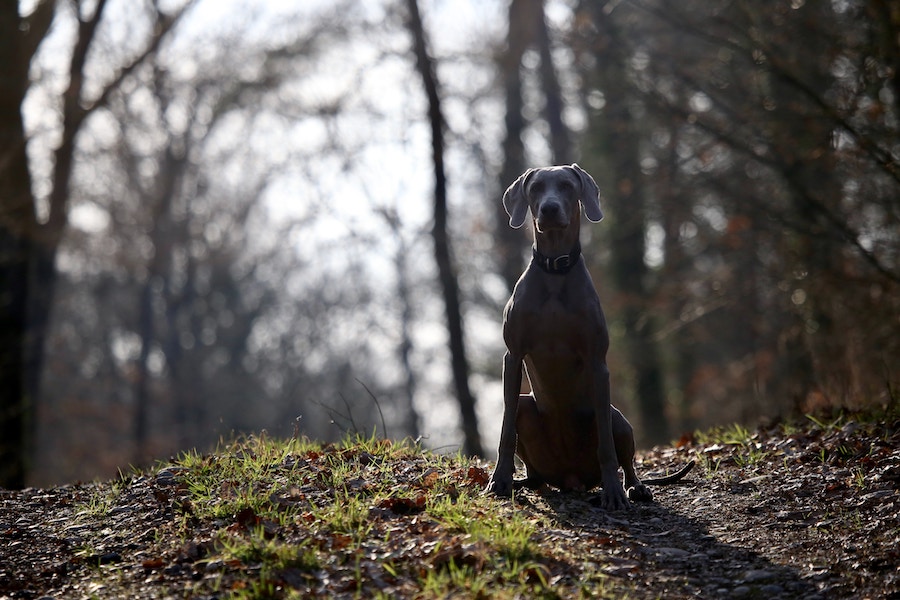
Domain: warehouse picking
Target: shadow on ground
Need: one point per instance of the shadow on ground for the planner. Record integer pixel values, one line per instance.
(661, 551)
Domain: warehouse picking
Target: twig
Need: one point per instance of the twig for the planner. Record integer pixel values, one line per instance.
(384, 431)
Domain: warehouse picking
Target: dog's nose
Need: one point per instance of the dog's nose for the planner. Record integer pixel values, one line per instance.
(549, 210)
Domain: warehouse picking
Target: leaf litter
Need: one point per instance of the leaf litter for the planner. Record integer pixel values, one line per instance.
(805, 511)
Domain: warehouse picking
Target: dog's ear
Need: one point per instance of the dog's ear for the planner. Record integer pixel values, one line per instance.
(515, 202)
(590, 195)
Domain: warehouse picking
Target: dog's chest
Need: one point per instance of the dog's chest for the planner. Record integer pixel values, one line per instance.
(558, 321)
(556, 316)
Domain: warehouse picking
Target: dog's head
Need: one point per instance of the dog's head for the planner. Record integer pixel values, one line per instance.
(552, 195)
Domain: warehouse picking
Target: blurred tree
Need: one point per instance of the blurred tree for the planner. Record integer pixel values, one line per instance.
(520, 33)
(442, 247)
(411, 420)
(33, 233)
(617, 131)
(760, 138)
(818, 121)
(198, 315)
(17, 228)
(219, 270)
(527, 30)
(165, 231)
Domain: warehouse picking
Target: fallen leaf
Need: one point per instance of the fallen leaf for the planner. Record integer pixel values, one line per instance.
(477, 476)
(153, 563)
(246, 517)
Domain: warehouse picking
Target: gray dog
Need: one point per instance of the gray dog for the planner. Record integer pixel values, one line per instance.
(566, 431)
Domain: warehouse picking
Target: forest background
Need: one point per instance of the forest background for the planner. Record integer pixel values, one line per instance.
(223, 217)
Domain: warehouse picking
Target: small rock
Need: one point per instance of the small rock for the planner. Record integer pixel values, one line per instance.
(878, 494)
(672, 552)
(169, 476)
(757, 575)
(850, 428)
(699, 558)
(108, 558)
(615, 521)
(214, 565)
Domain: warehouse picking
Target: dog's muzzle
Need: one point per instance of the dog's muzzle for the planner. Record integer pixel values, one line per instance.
(551, 215)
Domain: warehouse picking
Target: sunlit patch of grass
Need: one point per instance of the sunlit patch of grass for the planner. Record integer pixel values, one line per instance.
(729, 435)
(476, 517)
(709, 465)
(271, 557)
(347, 515)
(291, 517)
(825, 424)
(240, 477)
(751, 455)
(102, 500)
(748, 451)
(859, 478)
(257, 548)
(464, 581)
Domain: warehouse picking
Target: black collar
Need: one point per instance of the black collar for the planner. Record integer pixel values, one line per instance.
(559, 265)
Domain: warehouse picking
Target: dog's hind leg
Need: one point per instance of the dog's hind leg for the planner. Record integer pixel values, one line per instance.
(623, 438)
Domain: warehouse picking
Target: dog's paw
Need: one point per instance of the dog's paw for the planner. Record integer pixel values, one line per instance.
(614, 499)
(500, 486)
(640, 493)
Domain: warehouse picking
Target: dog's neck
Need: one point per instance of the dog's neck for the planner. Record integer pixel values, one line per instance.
(557, 251)
(557, 265)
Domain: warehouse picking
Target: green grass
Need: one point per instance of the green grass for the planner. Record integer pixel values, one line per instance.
(369, 518)
(746, 451)
(709, 465)
(100, 503)
(750, 452)
(824, 424)
(287, 518)
(729, 435)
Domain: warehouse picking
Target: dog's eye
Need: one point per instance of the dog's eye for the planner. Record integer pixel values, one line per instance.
(537, 187)
(566, 186)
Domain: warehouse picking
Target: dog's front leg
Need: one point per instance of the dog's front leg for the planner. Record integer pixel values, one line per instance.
(501, 482)
(613, 497)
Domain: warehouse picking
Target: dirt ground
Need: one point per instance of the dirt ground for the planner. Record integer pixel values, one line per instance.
(786, 512)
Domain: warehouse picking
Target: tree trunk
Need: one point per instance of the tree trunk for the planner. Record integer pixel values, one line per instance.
(527, 27)
(510, 242)
(17, 224)
(442, 251)
(619, 131)
(560, 140)
(146, 325)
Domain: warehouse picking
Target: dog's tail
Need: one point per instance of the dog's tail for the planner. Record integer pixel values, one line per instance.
(670, 479)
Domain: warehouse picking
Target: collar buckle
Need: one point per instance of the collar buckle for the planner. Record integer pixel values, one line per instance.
(560, 263)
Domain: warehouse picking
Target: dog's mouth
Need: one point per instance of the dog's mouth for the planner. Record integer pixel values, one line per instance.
(546, 224)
